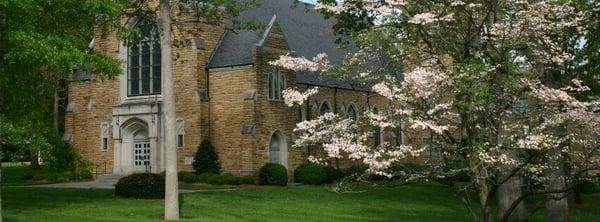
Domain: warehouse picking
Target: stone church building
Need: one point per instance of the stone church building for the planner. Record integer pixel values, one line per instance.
(225, 92)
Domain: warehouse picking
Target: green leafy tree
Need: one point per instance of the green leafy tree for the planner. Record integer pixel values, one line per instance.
(20, 138)
(206, 159)
(40, 43)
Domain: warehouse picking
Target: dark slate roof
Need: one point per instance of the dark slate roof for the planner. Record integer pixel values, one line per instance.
(307, 31)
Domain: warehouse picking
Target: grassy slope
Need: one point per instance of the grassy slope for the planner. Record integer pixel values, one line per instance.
(307, 203)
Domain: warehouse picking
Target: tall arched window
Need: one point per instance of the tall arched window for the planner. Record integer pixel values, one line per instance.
(277, 149)
(276, 85)
(351, 112)
(377, 135)
(324, 108)
(399, 134)
(144, 76)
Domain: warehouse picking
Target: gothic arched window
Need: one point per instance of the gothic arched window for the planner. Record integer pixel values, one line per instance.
(277, 149)
(377, 134)
(324, 108)
(276, 85)
(144, 75)
(351, 112)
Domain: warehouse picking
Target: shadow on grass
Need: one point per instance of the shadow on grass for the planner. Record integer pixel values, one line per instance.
(58, 204)
(415, 202)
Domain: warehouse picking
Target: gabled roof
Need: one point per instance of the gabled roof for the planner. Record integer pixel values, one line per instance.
(307, 32)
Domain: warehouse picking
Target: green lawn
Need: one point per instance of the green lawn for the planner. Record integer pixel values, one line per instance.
(416, 202)
(305, 203)
(11, 176)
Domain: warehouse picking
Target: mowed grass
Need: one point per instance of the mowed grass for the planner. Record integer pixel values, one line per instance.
(305, 203)
(414, 202)
(12, 176)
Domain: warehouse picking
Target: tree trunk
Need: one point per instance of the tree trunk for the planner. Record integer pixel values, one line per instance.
(481, 180)
(55, 111)
(508, 193)
(1, 183)
(557, 204)
(171, 187)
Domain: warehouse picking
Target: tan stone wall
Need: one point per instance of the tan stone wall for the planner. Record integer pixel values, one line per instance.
(228, 114)
(272, 115)
(92, 107)
(222, 118)
(190, 76)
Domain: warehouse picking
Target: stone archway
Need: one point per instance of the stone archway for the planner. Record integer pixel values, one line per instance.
(137, 152)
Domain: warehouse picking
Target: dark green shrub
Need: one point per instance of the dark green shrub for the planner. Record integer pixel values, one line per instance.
(203, 178)
(39, 176)
(310, 173)
(332, 174)
(28, 175)
(248, 180)
(272, 174)
(206, 159)
(79, 176)
(402, 170)
(357, 170)
(227, 178)
(462, 176)
(141, 186)
(589, 187)
(188, 177)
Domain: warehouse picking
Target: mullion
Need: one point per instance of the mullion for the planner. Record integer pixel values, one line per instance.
(141, 66)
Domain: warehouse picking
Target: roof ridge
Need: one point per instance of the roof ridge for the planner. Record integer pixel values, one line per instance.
(267, 31)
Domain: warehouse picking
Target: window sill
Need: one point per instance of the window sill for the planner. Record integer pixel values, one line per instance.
(142, 99)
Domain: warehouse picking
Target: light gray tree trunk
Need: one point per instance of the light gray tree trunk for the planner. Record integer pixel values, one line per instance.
(0, 183)
(171, 184)
(557, 204)
(509, 192)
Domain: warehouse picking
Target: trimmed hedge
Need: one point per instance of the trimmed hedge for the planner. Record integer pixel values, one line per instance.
(67, 176)
(310, 174)
(273, 174)
(215, 179)
(141, 186)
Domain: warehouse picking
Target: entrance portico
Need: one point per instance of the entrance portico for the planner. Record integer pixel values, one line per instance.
(138, 139)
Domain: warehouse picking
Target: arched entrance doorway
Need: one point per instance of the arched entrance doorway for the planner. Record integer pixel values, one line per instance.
(137, 151)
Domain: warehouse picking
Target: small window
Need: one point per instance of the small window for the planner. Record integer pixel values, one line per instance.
(433, 147)
(324, 108)
(521, 107)
(351, 112)
(104, 143)
(180, 133)
(276, 85)
(179, 141)
(104, 133)
(377, 132)
(399, 135)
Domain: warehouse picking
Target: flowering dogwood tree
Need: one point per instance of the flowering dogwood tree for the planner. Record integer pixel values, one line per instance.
(477, 75)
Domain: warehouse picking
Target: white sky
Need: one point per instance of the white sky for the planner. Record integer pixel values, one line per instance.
(309, 1)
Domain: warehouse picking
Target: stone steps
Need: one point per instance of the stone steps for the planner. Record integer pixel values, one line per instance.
(108, 178)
